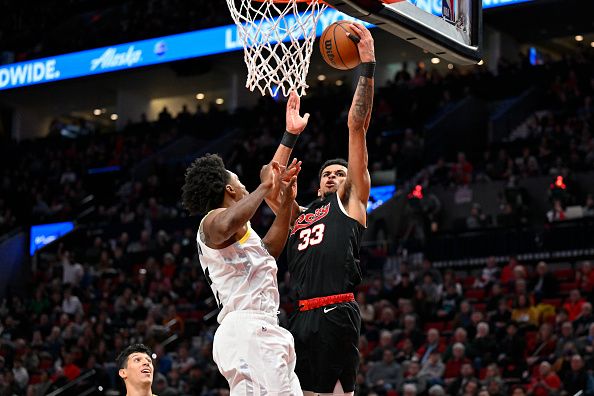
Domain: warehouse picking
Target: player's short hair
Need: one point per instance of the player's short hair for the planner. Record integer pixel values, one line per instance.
(204, 188)
(122, 359)
(335, 161)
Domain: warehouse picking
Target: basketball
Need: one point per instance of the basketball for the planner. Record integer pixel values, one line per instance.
(338, 50)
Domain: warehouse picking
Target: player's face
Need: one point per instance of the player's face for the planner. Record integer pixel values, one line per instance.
(332, 177)
(139, 370)
(239, 188)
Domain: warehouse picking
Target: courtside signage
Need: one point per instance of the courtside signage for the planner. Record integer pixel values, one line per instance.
(161, 50)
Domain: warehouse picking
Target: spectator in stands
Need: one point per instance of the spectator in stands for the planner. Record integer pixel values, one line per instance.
(405, 351)
(461, 171)
(412, 377)
(432, 344)
(577, 379)
(386, 342)
(410, 331)
(582, 323)
(543, 346)
(489, 275)
(584, 277)
(71, 304)
(495, 295)
(557, 212)
(493, 380)
(545, 382)
(507, 274)
(454, 364)
(573, 304)
(482, 346)
(433, 369)
(449, 278)
(384, 375)
(458, 384)
(449, 303)
(586, 343)
(565, 339)
(404, 289)
(544, 285)
(477, 219)
(511, 352)
(523, 312)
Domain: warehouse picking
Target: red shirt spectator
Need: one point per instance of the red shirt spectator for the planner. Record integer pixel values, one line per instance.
(546, 382)
(453, 366)
(574, 303)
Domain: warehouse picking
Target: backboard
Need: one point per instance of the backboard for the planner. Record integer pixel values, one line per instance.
(454, 35)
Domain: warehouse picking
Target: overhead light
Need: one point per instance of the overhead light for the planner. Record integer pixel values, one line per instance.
(321, 77)
(435, 61)
(97, 112)
(220, 101)
(339, 83)
(450, 66)
(113, 117)
(592, 44)
(579, 37)
(481, 62)
(200, 96)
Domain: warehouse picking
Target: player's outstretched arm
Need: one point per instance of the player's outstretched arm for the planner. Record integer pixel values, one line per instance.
(358, 183)
(223, 223)
(276, 237)
(295, 124)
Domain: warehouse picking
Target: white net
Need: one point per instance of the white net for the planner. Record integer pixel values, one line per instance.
(278, 40)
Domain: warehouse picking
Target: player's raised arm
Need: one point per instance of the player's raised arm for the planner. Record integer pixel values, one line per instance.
(222, 224)
(358, 183)
(276, 237)
(295, 124)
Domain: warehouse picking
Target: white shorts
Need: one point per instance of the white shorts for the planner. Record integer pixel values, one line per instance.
(256, 355)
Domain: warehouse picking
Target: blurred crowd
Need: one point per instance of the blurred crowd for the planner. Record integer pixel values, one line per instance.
(425, 331)
(34, 30)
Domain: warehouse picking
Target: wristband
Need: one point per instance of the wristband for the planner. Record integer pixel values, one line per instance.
(367, 69)
(289, 139)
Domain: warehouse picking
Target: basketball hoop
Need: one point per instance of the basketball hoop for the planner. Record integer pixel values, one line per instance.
(270, 31)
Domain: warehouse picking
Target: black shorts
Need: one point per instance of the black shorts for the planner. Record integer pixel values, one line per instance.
(326, 344)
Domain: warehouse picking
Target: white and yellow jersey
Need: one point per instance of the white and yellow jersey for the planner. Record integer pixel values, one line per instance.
(242, 276)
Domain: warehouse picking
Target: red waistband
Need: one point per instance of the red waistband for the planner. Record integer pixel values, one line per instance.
(313, 303)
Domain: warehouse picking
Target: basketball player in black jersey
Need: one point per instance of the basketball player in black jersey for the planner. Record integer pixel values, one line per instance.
(323, 247)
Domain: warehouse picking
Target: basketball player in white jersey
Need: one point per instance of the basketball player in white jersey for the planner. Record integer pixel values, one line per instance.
(254, 354)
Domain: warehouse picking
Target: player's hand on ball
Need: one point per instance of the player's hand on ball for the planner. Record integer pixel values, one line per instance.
(365, 43)
(295, 122)
(269, 174)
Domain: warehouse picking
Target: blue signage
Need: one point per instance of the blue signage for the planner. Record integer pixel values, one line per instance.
(160, 50)
(378, 195)
(44, 234)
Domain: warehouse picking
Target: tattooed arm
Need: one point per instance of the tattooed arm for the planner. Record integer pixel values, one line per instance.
(355, 191)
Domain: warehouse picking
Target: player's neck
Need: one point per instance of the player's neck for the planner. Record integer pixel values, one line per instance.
(144, 391)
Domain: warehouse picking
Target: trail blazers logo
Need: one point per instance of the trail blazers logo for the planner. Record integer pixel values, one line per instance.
(307, 219)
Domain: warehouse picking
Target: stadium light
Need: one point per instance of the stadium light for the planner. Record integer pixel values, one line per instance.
(114, 117)
(200, 96)
(220, 101)
(321, 77)
(450, 66)
(579, 37)
(435, 61)
(97, 112)
(339, 83)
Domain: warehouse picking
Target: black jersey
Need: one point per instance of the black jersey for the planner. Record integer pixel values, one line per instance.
(323, 250)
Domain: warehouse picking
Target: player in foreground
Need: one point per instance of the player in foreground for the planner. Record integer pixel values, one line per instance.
(252, 351)
(136, 369)
(323, 247)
